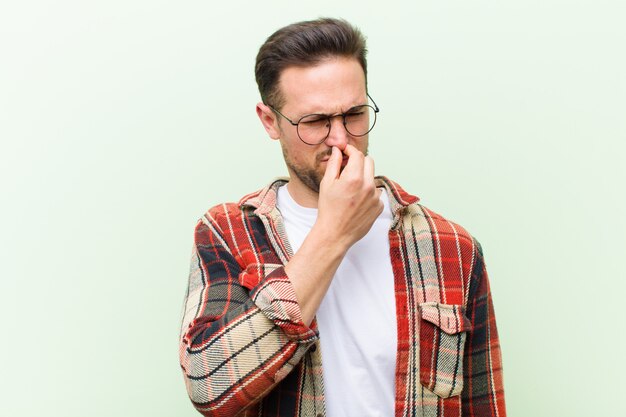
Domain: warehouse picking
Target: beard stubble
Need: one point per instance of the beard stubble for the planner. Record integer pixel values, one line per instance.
(310, 176)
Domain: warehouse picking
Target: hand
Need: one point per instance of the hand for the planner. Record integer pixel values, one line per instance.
(348, 205)
(349, 201)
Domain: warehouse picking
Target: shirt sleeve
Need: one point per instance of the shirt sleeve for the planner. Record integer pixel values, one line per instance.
(483, 390)
(236, 343)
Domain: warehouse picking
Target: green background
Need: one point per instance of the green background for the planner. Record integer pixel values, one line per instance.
(121, 122)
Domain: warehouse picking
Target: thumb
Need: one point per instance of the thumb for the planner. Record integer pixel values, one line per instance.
(333, 165)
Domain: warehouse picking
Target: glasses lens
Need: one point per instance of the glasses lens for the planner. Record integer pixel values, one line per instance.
(360, 120)
(314, 128)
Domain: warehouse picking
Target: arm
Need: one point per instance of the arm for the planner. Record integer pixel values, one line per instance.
(236, 343)
(348, 205)
(483, 390)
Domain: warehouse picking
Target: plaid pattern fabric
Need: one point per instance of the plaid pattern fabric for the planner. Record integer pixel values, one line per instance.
(245, 351)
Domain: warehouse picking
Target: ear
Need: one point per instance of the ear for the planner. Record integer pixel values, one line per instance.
(269, 120)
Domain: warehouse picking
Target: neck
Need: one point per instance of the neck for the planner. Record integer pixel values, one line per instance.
(302, 194)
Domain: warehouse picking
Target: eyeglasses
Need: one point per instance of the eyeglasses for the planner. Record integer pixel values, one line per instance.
(314, 129)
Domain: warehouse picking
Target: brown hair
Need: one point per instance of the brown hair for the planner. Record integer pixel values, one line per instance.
(305, 44)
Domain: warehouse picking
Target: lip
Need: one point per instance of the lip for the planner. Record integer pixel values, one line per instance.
(344, 159)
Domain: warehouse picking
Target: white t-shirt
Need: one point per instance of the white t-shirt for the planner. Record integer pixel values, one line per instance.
(356, 319)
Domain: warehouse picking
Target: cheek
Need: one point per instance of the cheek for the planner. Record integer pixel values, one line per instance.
(302, 155)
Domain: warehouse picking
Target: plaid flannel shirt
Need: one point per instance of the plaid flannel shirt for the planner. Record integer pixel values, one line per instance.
(244, 349)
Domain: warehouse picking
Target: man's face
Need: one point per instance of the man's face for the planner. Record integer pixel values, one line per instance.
(331, 87)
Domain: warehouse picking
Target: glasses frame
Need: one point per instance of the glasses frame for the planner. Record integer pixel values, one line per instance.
(329, 117)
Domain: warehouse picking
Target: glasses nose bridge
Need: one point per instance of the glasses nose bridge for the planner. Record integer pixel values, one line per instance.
(342, 118)
(341, 115)
(342, 131)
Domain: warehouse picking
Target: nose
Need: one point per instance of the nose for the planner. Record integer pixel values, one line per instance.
(338, 135)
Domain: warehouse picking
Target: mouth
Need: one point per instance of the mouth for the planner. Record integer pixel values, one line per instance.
(324, 158)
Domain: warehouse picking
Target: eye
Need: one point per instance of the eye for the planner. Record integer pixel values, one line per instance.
(314, 120)
(355, 114)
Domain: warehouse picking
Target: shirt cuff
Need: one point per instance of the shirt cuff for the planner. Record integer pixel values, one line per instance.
(275, 296)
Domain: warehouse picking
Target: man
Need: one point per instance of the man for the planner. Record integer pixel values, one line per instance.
(334, 292)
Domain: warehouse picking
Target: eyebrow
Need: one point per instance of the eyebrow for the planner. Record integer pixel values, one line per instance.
(333, 114)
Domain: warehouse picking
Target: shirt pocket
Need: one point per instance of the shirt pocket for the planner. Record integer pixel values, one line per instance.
(442, 333)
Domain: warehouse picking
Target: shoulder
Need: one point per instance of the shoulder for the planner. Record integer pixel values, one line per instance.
(223, 211)
(261, 202)
(444, 224)
(418, 218)
(223, 216)
(452, 238)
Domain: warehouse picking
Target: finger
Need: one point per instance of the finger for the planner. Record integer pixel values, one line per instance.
(368, 169)
(333, 164)
(355, 161)
(350, 150)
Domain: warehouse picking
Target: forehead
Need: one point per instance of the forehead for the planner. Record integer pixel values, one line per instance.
(333, 85)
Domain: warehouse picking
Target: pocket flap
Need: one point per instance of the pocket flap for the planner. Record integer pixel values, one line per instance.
(448, 317)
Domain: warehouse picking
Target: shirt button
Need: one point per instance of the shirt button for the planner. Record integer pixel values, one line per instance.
(313, 349)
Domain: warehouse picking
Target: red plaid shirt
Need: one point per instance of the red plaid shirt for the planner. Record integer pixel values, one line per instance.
(244, 349)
